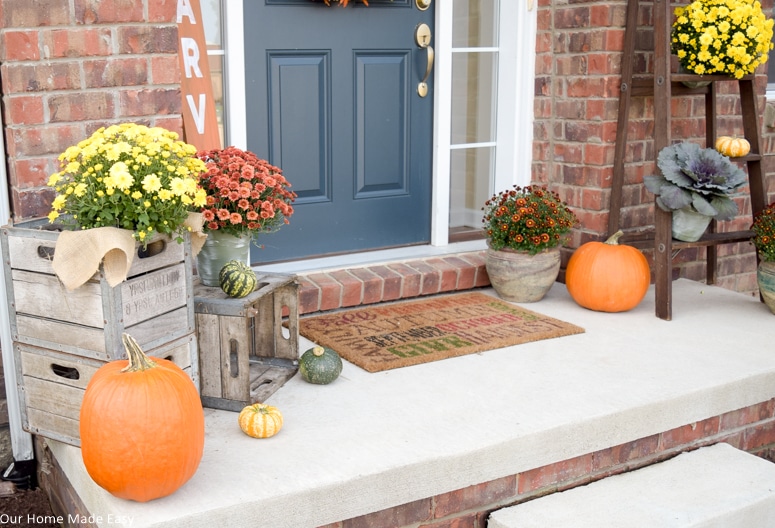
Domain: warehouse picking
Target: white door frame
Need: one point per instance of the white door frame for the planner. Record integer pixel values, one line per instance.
(516, 74)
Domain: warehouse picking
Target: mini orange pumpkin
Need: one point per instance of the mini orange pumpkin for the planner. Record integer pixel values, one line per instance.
(734, 147)
(260, 420)
(607, 277)
(142, 426)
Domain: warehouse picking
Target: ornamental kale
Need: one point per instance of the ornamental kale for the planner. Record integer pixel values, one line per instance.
(696, 178)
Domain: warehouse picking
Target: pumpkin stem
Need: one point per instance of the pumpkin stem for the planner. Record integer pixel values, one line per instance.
(138, 361)
(614, 239)
(318, 351)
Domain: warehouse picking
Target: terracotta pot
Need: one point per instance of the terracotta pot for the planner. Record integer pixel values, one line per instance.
(518, 276)
(219, 248)
(689, 225)
(765, 275)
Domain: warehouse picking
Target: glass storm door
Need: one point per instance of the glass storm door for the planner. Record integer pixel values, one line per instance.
(341, 99)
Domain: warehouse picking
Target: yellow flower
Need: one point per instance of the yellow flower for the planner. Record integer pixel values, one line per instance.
(151, 183)
(59, 202)
(137, 195)
(120, 175)
(53, 215)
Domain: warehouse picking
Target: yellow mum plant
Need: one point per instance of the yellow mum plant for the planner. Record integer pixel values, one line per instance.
(730, 37)
(128, 176)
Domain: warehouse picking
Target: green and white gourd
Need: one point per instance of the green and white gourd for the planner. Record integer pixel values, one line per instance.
(320, 365)
(237, 279)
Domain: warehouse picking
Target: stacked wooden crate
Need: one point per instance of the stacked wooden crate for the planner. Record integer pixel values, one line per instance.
(249, 347)
(61, 337)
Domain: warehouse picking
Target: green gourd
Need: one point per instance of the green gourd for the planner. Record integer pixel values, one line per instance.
(237, 279)
(320, 365)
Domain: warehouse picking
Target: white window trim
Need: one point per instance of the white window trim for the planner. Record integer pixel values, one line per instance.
(516, 88)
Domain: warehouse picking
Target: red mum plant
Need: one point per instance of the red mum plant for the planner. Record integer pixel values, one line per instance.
(245, 194)
(528, 219)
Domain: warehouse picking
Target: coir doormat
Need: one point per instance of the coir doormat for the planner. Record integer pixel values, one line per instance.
(396, 335)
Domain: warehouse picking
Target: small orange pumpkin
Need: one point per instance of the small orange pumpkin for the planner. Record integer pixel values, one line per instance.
(260, 420)
(607, 277)
(142, 426)
(734, 147)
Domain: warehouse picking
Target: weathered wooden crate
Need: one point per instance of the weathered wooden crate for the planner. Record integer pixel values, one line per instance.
(52, 383)
(154, 304)
(247, 349)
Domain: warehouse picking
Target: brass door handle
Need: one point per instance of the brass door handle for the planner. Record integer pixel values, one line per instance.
(422, 88)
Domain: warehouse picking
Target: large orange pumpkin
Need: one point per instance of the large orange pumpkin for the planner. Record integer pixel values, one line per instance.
(607, 277)
(142, 426)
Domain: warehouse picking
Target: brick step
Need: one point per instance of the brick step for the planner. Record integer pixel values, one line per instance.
(717, 486)
(344, 288)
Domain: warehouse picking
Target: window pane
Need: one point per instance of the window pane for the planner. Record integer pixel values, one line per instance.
(470, 179)
(211, 15)
(216, 76)
(473, 97)
(474, 23)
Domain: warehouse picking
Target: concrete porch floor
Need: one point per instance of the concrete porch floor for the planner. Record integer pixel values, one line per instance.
(396, 442)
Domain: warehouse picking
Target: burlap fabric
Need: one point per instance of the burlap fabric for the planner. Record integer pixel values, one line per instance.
(78, 254)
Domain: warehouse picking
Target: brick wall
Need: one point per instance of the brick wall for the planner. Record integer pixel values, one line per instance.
(579, 53)
(69, 67)
(751, 429)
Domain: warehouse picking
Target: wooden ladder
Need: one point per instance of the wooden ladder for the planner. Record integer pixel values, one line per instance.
(662, 85)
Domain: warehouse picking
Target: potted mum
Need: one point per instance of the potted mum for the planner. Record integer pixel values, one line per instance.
(525, 227)
(764, 240)
(125, 184)
(695, 185)
(729, 37)
(245, 196)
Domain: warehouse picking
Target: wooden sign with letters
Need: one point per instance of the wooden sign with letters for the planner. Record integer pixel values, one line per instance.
(199, 119)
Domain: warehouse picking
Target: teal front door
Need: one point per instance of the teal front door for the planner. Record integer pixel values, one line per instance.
(333, 100)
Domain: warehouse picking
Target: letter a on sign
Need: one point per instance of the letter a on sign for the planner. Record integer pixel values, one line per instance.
(199, 120)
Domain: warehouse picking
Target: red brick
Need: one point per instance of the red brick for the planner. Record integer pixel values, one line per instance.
(760, 436)
(475, 497)
(163, 11)
(352, 288)
(330, 291)
(406, 514)
(747, 415)
(20, 45)
(34, 13)
(447, 274)
(31, 204)
(555, 474)
(149, 102)
(391, 282)
(78, 42)
(431, 278)
(309, 296)
(24, 110)
(165, 69)
(173, 124)
(40, 141)
(622, 455)
(411, 280)
(148, 39)
(466, 273)
(81, 106)
(24, 77)
(26, 173)
(687, 434)
(573, 17)
(115, 72)
(371, 284)
(89, 12)
(470, 520)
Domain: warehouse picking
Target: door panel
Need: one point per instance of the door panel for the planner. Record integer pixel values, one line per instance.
(332, 100)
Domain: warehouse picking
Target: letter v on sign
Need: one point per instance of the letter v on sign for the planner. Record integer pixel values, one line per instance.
(199, 120)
